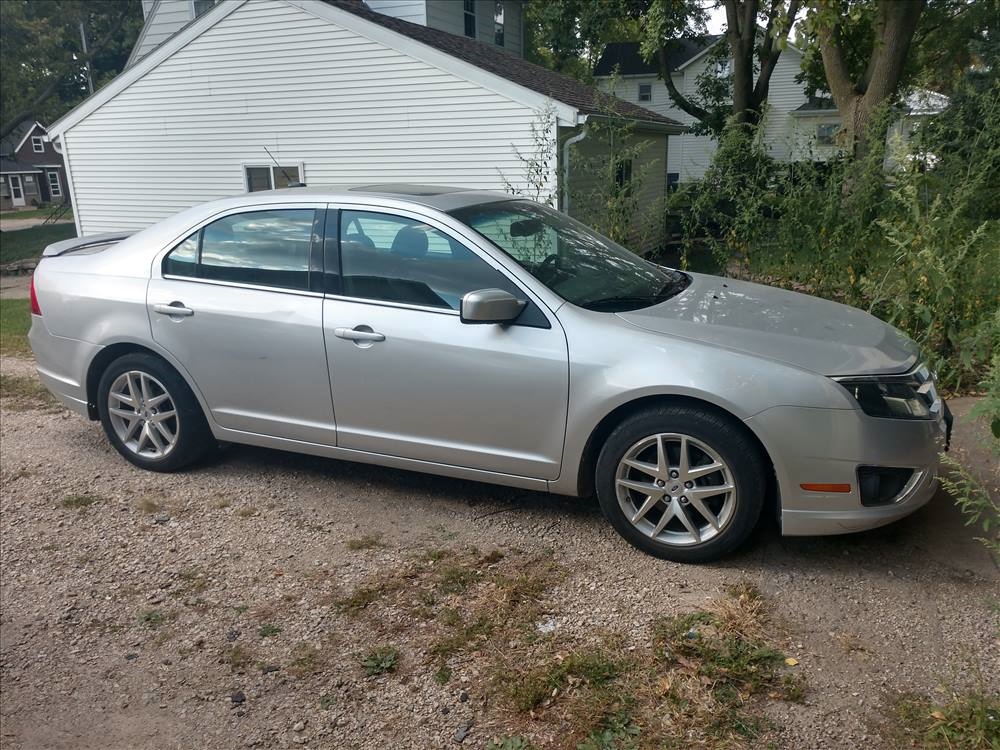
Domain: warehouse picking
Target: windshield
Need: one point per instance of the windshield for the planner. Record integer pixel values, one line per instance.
(573, 261)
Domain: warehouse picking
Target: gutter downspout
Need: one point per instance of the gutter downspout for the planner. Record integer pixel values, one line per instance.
(565, 186)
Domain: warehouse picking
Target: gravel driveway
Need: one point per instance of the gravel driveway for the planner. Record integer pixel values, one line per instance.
(206, 609)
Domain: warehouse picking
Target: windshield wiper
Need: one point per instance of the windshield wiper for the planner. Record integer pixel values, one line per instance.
(672, 288)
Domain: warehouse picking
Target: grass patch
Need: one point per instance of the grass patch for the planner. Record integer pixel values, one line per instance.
(15, 320)
(327, 701)
(238, 658)
(363, 542)
(966, 721)
(528, 689)
(20, 393)
(23, 244)
(363, 596)
(79, 502)
(268, 630)
(34, 213)
(306, 660)
(147, 505)
(380, 660)
(153, 618)
(509, 743)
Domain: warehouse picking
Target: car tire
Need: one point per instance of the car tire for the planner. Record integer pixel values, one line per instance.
(687, 517)
(164, 429)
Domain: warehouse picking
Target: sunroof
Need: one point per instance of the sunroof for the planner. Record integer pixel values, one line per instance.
(402, 189)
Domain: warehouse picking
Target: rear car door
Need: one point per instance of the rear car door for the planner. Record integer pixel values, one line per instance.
(234, 303)
(410, 379)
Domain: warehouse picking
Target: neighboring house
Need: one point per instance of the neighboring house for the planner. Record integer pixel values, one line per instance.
(337, 93)
(690, 155)
(31, 170)
(796, 126)
(494, 22)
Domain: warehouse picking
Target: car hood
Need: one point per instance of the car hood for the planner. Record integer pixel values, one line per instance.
(807, 332)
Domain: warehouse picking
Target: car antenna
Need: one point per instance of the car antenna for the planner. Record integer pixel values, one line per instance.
(291, 182)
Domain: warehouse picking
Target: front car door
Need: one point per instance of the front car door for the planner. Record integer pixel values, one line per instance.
(234, 303)
(409, 379)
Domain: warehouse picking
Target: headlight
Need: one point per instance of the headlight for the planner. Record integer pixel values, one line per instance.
(909, 396)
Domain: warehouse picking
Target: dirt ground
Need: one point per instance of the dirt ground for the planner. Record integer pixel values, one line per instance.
(125, 595)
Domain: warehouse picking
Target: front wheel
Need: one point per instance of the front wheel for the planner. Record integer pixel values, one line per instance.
(150, 415)
(681, 483)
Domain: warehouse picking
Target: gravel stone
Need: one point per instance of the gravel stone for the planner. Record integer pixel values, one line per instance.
(258, 537)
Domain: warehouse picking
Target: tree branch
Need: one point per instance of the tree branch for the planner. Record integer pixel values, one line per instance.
(837, 77)
(771, 51)
(679, 99)
(60, 74)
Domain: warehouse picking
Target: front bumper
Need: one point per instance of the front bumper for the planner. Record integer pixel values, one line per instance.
(826, 446)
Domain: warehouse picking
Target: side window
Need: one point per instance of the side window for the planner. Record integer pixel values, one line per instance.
(268, 248)
(392, 258)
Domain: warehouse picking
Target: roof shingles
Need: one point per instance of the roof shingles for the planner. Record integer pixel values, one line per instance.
(587, 99)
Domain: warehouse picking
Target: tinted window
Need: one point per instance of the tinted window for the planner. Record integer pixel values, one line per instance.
(270, 248)
(396, 259)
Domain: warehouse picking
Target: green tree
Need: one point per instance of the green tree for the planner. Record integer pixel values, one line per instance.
(43, 68)
(864, 46)
(755, 35)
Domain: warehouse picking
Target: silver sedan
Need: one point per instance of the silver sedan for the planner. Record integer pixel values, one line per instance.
(479, 336)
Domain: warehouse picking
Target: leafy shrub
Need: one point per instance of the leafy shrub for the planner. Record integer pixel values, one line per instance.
(918, 245)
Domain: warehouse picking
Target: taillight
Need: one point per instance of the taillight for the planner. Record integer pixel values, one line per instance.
(35, 309)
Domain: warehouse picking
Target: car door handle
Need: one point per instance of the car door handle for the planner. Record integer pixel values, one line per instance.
(353, 334)
(174, 308)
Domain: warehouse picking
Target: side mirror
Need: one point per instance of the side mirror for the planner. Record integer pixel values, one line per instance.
(490, 306)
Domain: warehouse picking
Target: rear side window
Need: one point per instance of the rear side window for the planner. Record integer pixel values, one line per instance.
(267, 248)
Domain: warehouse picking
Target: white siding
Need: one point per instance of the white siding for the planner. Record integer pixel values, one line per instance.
(407, 10)
(169, 17)
(690, 155)
(270, 74)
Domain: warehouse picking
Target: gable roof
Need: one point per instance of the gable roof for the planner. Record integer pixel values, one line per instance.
(627, 57)
(482, 63)
(16, 138)
(557, 86)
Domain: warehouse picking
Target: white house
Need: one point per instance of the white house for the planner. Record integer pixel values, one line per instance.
(797, 126)
(250, 94)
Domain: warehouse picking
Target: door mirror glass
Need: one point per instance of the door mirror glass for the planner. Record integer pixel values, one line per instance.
(490, 306)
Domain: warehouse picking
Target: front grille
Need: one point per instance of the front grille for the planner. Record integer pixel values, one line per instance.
(882, 485)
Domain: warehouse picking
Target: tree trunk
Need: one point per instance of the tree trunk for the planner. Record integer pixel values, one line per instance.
(857, 101)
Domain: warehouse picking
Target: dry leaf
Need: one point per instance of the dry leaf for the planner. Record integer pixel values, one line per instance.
(791, 661)
(938, 715)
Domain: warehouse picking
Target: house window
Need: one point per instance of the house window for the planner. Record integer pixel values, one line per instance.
(271, 177)
(645, 92)
(55, 188)
(37, 144)
(498, 23)
(470, 18)
(29, 179)
(723, 68)
(826, 133)
(201, 7)
(673, 180)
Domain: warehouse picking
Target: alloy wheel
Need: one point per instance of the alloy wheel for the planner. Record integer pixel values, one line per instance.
(143, 414)
(675, 489)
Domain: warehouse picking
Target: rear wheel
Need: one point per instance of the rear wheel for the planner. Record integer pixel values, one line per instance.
(150, 415)
(681, 483)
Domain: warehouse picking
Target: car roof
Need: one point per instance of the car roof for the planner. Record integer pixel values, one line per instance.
(443, 198)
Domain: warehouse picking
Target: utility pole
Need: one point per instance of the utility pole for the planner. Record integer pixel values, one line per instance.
(83, 38)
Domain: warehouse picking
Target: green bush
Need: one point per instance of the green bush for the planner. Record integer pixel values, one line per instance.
(917, 245)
